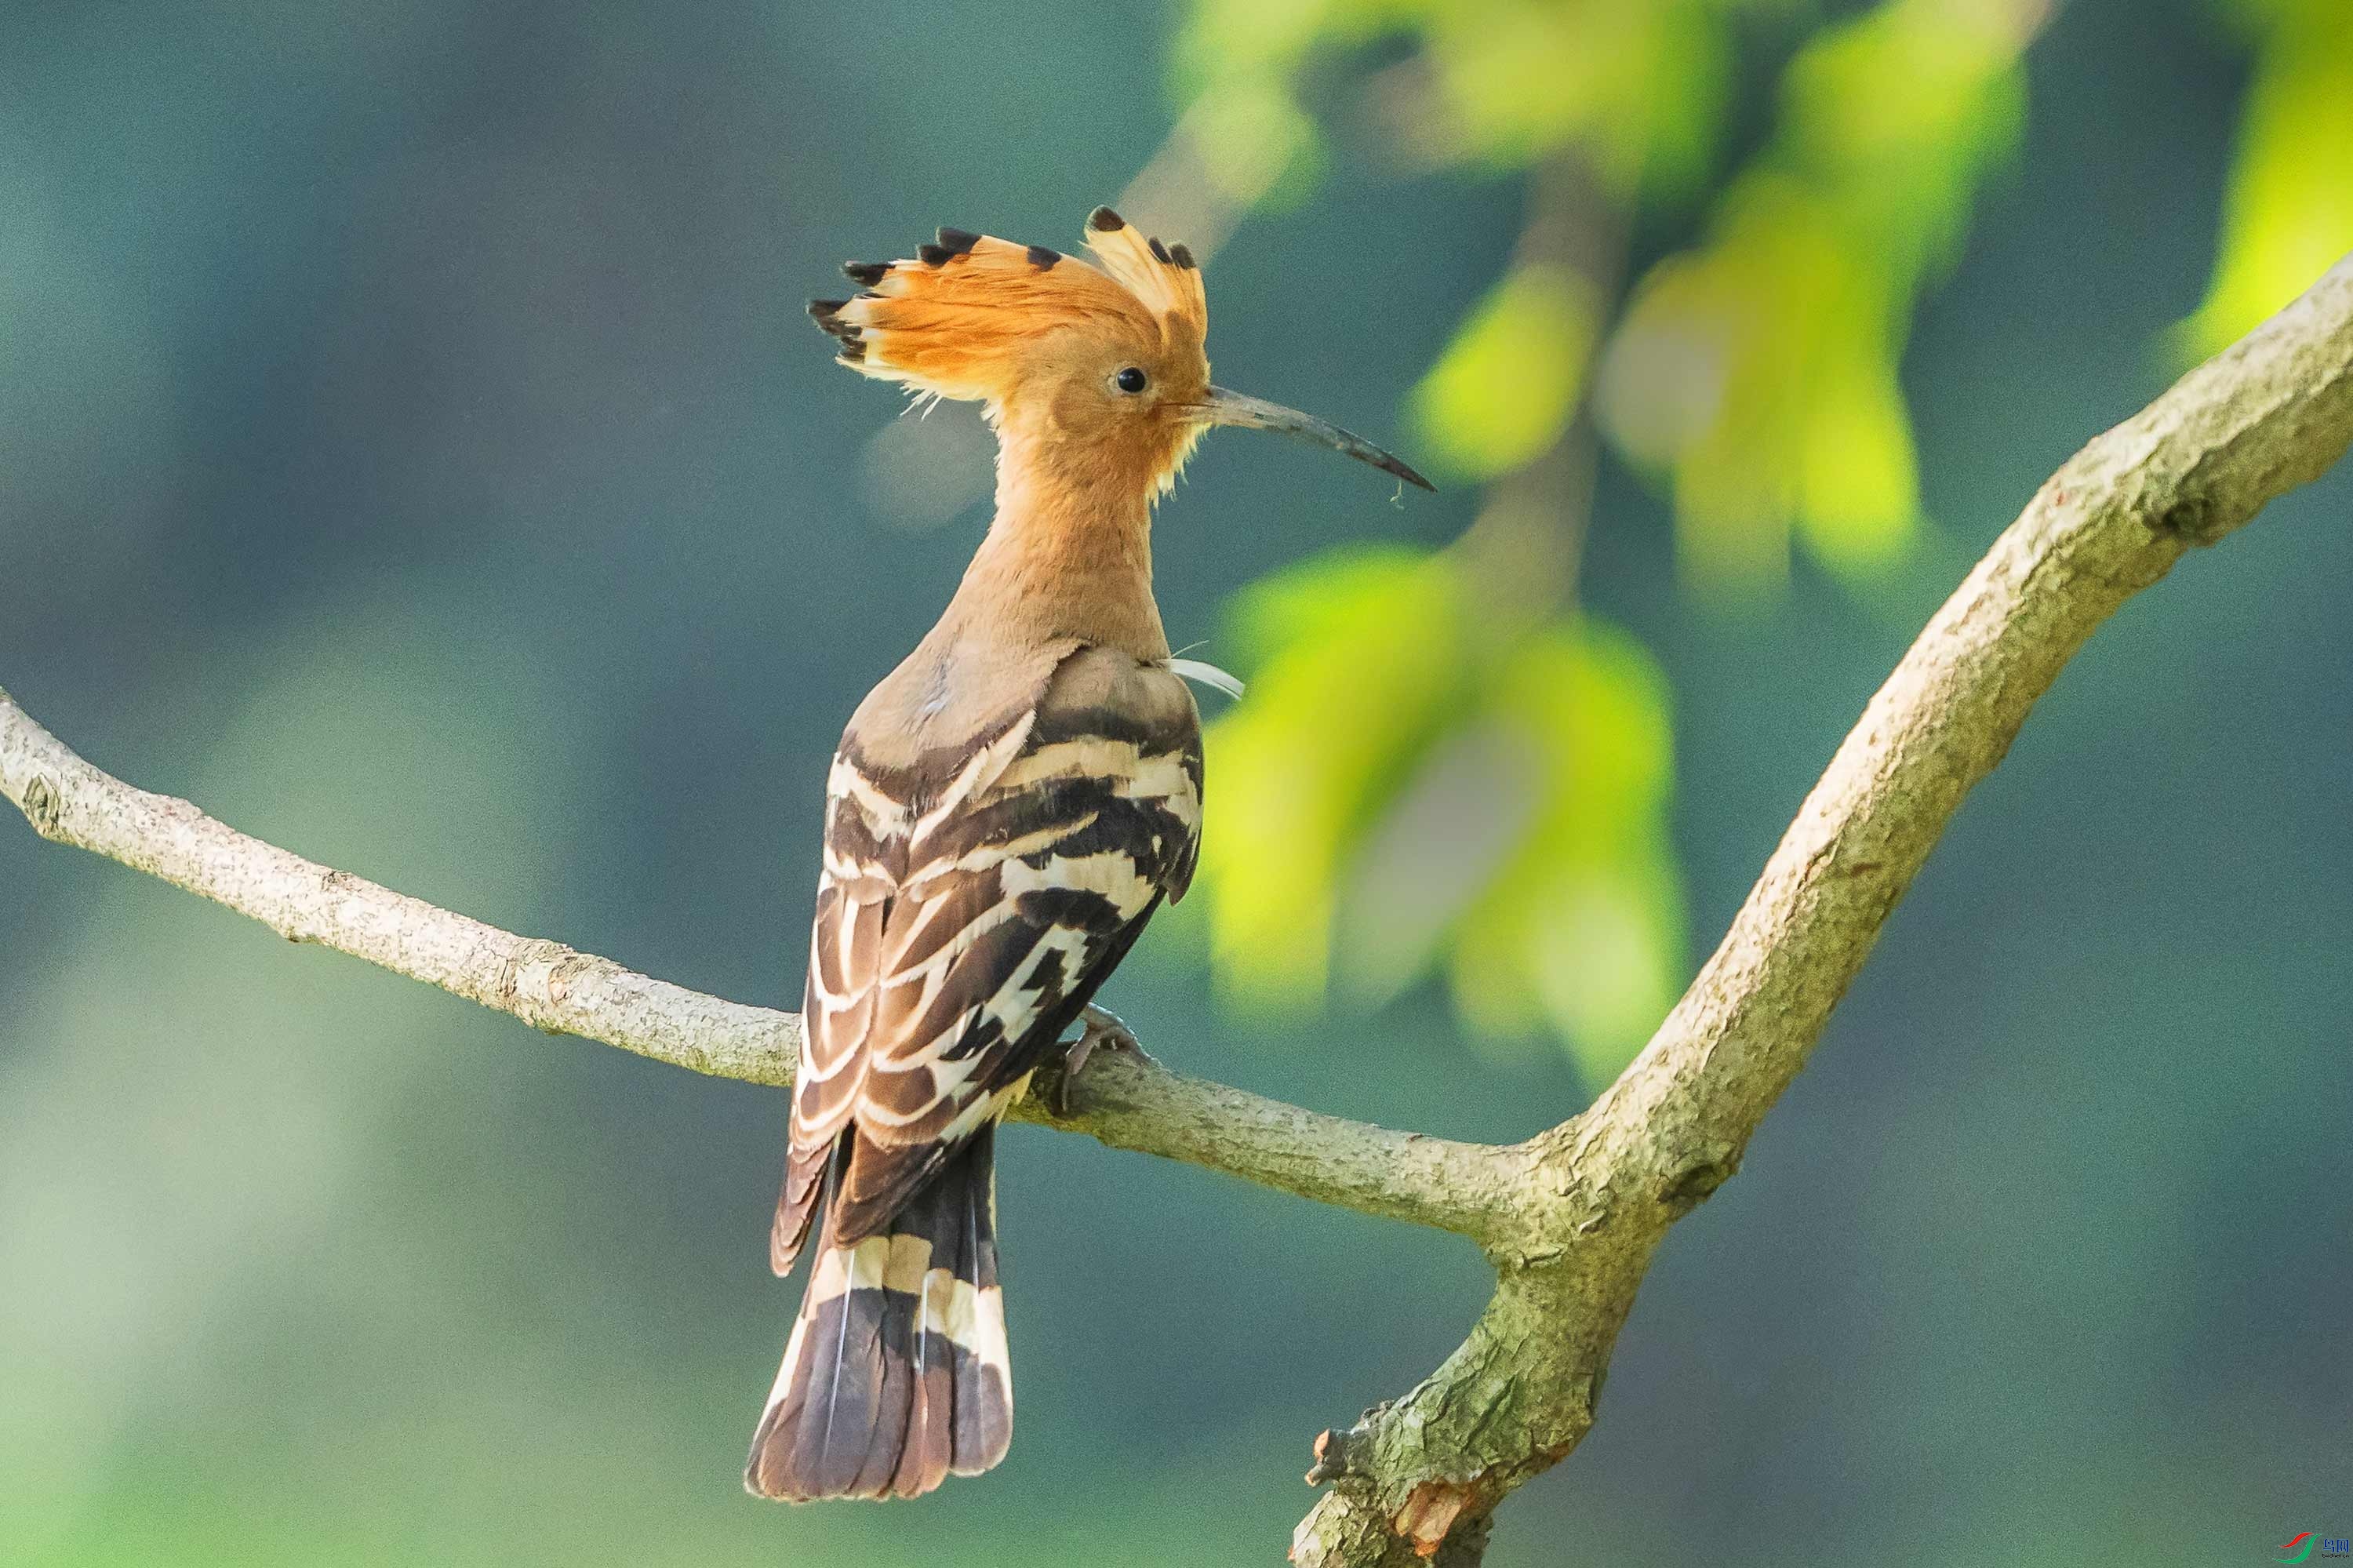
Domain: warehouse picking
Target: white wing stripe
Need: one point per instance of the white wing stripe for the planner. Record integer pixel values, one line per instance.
(886, 818)
(1110, 872)
(1162, 776)
(987, 856)
(976, 775)
(996, 915)
(1017, 1003)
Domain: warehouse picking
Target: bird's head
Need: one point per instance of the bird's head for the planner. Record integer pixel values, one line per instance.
(1101, 369)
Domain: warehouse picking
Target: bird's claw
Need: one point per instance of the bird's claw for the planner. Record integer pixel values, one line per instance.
(1099, 1029)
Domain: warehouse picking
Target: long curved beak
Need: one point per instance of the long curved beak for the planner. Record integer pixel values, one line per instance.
(1224, 407)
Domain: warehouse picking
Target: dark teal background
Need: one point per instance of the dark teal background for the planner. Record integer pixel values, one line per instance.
(411, 447)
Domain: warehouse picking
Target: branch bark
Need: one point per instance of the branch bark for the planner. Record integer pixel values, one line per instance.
(2273, 412)
(1571, 1218)
(1125, 1100)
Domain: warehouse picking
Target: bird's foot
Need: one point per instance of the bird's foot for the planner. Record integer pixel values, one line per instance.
(1099, 1030)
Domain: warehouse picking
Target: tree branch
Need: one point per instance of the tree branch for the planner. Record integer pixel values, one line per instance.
(2273, 412)
(1127, 1100)
(1571, 1218)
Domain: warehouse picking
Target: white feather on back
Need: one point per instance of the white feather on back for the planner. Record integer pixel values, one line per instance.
(1203, 673)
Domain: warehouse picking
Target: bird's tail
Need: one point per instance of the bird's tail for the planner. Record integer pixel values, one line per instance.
(896, 1374)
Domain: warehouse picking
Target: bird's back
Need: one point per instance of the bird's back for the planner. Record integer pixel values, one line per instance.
(1000, 824)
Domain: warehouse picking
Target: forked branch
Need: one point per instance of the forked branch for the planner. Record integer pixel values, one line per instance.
(1571, 1218)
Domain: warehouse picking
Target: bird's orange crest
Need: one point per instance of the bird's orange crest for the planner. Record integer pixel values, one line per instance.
(1095, 377)
(974, 317)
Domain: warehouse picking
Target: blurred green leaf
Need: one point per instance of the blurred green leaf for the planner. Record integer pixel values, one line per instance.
(1509, 383)
(1357, 655)
(1220, 39)
(1256, 142)
(1639, 85)
(1486, 802)
(1582, 926)
(2288, 215)
(1759, 373)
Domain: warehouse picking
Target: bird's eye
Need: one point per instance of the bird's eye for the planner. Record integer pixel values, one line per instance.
(1130, 380)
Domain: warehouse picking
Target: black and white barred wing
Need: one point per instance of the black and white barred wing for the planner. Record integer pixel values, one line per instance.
(959, 935)
(1020, 902)
(972, 902)
(871, 825)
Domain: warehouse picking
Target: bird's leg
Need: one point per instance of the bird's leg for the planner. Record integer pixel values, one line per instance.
(1098, 1028)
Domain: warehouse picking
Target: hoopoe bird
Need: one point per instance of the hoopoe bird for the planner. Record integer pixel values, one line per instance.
(1006, 811)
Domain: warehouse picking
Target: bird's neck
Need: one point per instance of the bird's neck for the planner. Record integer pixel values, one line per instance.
(1068, 556)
